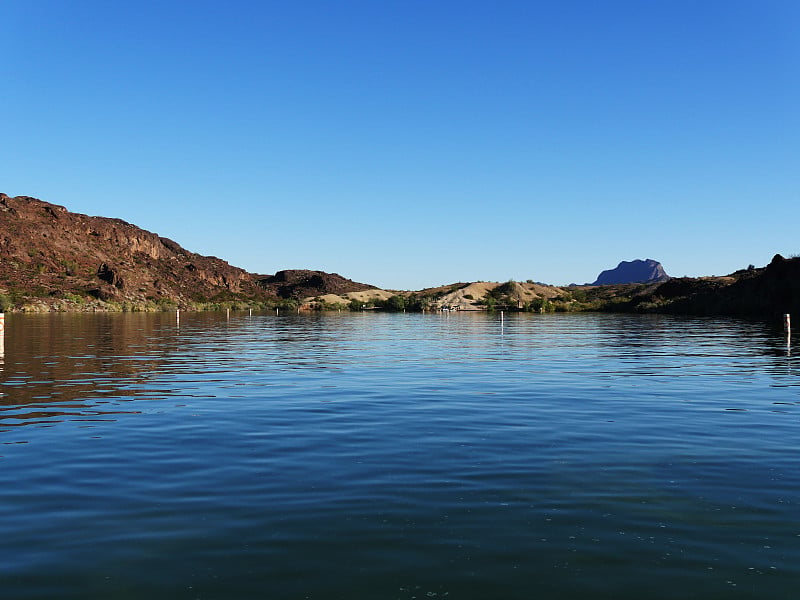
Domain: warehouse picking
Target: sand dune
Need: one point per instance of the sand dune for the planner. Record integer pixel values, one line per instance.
(466, 297)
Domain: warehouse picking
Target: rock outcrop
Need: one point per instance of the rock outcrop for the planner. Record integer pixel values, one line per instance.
(54, 259)
(635, 271)
(49, 256)
(766, 292)
(48, 252)
(301, 283)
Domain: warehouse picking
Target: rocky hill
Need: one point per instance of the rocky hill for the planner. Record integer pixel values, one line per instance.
(766, 292)
(635, 271)
(300, 283)
(51, 258)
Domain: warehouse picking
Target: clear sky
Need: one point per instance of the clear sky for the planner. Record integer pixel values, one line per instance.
(415, 143)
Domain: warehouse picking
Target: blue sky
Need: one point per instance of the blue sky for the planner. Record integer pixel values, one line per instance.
(411, 144)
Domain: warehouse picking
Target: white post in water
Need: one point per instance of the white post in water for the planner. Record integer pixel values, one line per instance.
(227, 313)
(178, 315)
(787, 323)
(2, 323)
(251, 313)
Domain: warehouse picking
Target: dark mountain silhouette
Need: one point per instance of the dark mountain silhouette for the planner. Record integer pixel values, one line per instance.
(635, 271)
(766, 292)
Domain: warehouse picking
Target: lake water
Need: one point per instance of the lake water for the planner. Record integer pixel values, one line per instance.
(398, 456)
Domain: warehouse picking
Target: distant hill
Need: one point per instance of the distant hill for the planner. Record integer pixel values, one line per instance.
(765, 292)
(301, 283)
(54, 259)
(635, 271)
(475, 296)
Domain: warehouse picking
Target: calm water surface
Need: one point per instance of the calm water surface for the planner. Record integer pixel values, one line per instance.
(398, 456)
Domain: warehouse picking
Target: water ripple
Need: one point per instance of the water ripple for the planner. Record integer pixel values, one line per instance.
(397, 456)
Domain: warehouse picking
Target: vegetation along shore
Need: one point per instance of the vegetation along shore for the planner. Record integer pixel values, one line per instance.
(52, 259)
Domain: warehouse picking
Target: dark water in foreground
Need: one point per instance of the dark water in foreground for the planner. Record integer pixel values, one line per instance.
(398, 456)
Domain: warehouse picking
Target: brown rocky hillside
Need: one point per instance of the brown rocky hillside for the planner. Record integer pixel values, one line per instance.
(53, 258)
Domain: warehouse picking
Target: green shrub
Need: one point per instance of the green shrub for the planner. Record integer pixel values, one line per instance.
(74, 298)
(395, 303)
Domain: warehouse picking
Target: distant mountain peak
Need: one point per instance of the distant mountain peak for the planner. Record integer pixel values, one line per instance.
(634, 271)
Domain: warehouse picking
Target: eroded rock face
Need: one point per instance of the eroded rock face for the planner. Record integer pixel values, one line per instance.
(635, 271)
(48, 251)
(110, 275)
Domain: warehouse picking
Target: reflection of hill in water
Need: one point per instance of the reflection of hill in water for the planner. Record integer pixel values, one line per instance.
(84, 367)
(78, 366)
(716, 344)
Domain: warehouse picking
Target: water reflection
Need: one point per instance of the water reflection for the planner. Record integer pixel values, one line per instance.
(76, 366)
(89, 365)
(377, 455)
